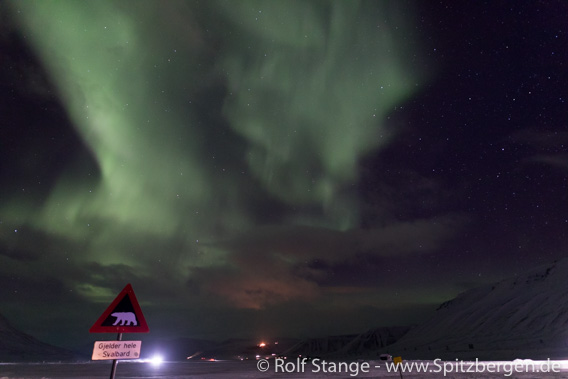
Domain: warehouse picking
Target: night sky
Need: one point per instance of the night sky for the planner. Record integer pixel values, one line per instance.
(275, 168)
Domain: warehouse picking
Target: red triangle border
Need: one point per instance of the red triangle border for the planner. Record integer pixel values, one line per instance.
(142, 326)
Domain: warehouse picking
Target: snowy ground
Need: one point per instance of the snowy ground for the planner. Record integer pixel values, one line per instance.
(249, 369)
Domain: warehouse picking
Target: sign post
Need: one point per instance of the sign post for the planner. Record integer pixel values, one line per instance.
(123, 315)
(114, 361)
(398, 362)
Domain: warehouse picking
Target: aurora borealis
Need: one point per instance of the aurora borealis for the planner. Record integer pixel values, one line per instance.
(264, 168)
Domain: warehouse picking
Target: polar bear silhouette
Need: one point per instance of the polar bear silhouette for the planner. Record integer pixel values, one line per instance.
(124, 318)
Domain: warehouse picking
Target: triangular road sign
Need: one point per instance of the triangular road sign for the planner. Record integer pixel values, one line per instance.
(122, 316)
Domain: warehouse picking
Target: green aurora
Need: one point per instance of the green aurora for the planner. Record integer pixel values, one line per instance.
(223, 144)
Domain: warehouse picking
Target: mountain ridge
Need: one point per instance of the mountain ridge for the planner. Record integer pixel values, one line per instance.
(524, 315)
(16, 346)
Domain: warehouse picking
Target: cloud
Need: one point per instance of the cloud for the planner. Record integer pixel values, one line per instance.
(255, 288)
(273, 265)
(547, 147)
(418, 236)
(559, 160)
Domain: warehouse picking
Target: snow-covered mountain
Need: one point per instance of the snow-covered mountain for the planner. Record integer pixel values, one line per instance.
(16, 346)
(373, 340)
(317, 347)
(352, 345)
(522, 317)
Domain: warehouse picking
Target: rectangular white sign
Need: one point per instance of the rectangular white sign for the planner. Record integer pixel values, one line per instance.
(116, 350)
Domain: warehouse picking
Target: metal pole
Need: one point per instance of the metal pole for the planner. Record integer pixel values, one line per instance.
(114, 361)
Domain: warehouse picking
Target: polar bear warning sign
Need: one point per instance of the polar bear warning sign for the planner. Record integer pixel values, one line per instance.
(122, 316)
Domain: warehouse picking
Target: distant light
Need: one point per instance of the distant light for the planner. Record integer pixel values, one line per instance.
(262, 344)
(156, 360)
